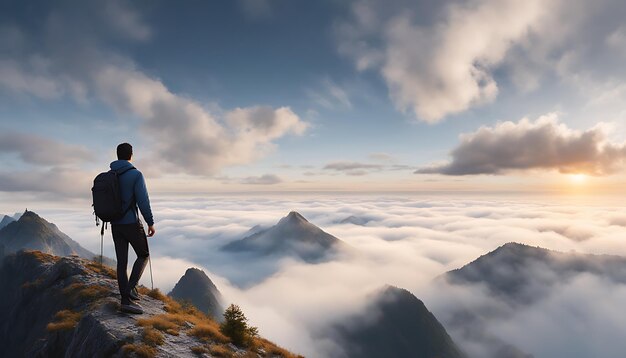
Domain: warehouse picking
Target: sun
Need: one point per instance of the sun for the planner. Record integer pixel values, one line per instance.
(578, 178)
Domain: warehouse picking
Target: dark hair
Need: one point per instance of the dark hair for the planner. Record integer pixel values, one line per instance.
(124, 151)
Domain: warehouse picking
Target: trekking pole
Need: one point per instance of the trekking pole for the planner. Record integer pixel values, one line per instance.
(151, 281)
(102, 244)
(150, 264)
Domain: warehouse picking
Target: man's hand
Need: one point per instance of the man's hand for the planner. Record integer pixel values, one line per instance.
(151, 231)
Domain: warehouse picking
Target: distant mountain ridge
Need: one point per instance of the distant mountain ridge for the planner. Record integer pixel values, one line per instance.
(32, 232)
(506, 271)
(293, 235)
(6, 220)
(355, 220)
(515, 277)
(395, 324)
(196, 287)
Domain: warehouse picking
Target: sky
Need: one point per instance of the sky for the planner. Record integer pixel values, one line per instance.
(452, 127)
(294, 96)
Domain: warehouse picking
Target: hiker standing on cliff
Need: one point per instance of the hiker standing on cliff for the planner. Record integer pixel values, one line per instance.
(129, 229)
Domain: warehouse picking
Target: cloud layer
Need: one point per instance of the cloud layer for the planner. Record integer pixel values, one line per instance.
(544, 144)
(406, 241)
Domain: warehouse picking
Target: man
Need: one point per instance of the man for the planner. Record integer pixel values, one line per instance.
(129, 229)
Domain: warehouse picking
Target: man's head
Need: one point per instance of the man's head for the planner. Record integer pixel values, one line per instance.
(124, 151)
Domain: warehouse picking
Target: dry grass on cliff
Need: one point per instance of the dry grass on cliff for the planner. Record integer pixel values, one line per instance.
(80, 293)
(152, 337)
(186, 318)
(102, 269)
(163, 322)
(208, 332)
(42, 256)
(272, 349)
(220, 350)
(199, 350)
(140, 349)
(64, 320)
(183, 316)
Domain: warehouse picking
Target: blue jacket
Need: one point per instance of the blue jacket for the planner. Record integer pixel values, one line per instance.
(132, 183)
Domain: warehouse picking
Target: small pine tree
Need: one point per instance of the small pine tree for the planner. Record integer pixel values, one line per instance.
(235, 327)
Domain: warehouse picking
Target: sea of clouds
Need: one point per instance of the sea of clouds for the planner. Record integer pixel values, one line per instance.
(407, 241)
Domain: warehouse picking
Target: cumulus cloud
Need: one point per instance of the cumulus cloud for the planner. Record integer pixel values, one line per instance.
(447, 67)
(39, 150)
(68, 56)
(266, 179)
(202, 143)
(442, 58)
(545, 144)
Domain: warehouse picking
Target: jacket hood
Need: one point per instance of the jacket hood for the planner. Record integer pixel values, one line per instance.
(120, 164)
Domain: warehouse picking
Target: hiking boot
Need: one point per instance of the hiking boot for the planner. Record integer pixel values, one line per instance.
(134, 295)
(131, 307)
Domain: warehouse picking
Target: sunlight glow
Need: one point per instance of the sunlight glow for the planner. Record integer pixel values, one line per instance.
(578, 178)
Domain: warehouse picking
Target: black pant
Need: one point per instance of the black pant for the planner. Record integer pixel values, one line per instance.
(133, 234)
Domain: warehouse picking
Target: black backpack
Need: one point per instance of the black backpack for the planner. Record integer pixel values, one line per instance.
(107, 200)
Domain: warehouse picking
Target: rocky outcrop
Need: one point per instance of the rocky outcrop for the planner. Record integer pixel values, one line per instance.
(395, 324)
(54, 306)
(198, 289)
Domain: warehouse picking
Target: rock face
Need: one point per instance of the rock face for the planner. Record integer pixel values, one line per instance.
(32, 232)
(396, 324)
(54, 306)
(292, 236)
(196, 287)
(6, 220)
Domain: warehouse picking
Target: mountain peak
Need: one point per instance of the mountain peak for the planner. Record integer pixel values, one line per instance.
(515, 246)
(197, 276)
(195, 286)
(33, 232)
(32, 216)
(6, 220)
(294, 217)
(293, 235)
(402, 327)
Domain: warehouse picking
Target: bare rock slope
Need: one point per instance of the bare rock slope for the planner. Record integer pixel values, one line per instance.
(54, 306)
